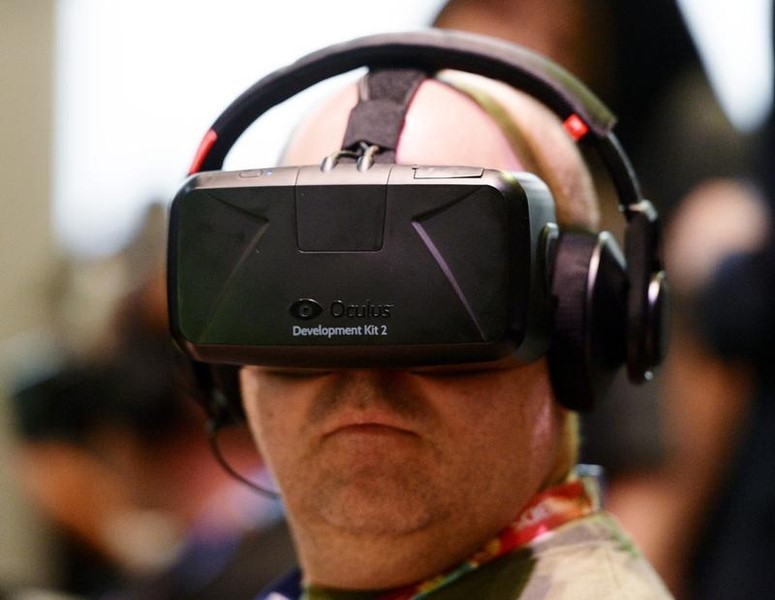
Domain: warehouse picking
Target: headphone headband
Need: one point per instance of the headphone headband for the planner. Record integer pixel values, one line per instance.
(432, 50)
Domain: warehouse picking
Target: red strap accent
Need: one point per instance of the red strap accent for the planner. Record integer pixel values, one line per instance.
(201, 153)
(575, 127)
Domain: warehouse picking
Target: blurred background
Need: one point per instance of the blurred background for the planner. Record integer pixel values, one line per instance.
(102, 105)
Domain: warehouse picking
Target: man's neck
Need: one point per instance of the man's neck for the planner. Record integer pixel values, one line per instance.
(381, 562)
(347, 561)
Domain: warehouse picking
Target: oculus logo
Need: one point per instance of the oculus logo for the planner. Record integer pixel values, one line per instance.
(305, 309)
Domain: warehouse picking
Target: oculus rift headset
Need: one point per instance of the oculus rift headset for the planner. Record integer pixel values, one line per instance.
(365, 263)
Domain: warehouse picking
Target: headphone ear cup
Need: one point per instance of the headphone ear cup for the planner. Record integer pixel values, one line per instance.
(649, 297)
(589, 341)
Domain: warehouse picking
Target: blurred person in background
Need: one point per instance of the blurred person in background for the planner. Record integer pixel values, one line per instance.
(734, 321)
(707, 396)
(111, 450)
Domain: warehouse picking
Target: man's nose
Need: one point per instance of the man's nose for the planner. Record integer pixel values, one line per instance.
(365, 387)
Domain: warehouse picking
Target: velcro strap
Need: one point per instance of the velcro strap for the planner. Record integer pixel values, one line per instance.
(378, 118)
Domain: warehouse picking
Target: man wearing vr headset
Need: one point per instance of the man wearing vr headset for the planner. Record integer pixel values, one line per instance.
(447, 481)
(447, 478)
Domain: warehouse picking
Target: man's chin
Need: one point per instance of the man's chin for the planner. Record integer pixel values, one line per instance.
(376, 504)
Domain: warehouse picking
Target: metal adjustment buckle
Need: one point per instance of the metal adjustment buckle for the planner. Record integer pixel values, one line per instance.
(363, 156)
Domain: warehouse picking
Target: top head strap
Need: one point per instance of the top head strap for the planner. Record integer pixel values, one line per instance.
(378, 118)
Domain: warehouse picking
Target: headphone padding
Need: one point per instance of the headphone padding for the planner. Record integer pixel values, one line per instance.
(589, 341)
(568, 355)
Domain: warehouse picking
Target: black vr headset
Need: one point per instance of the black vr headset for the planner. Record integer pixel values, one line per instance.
(360, 262)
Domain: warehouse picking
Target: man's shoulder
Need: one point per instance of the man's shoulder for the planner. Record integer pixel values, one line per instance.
(590, 558)
(587, 559)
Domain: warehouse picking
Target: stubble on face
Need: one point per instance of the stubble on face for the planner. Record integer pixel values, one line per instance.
(361, 458)
(398, 475)
(389, 453)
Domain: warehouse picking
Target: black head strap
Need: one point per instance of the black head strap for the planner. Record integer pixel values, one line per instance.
(378, 118)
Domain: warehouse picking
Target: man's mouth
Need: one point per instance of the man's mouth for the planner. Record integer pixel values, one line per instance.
(367, 423)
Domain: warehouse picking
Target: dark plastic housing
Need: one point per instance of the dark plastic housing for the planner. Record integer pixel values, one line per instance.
(392, 266)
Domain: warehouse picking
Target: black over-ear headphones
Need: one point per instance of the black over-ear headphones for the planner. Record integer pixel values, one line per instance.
(266, 267)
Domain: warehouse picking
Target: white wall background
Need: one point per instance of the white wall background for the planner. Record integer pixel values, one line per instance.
(140, 81)
(734, 38)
